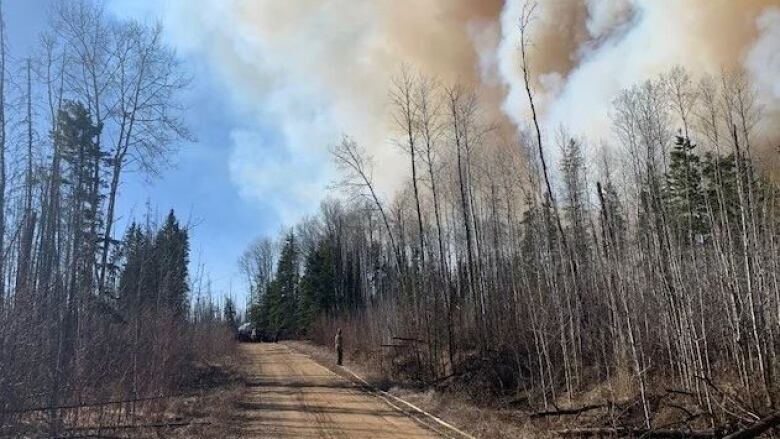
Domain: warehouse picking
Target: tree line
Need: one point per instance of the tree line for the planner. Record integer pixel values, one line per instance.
(649, 262)
(88, 315)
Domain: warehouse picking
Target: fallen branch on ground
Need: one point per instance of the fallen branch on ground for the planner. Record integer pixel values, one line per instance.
(173, 424)
(753, 431)
(566, 412)
(96, 404)
(757, 428)
(639, 432)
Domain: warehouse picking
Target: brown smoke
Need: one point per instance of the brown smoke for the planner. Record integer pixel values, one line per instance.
(317, 69)
(341, 55)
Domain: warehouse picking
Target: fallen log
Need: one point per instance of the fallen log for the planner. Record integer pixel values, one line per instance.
(758, 428)
(680, 392)
(410, 339)
(567, 412)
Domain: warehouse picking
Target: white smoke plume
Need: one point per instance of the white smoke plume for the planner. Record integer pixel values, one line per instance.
(315, 69)
(585, 52)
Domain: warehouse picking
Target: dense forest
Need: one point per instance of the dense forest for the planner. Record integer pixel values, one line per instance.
(88, 315)
(540, 266)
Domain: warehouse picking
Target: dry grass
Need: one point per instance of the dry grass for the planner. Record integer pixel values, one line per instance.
(205, 409)
(617, 396)
(212, 412)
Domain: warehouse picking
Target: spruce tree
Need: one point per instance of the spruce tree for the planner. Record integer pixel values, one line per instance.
(271, 315)
(229, 314)
(172, 252)
(573, 171)
(683, 193)
(616, 214)
(318, 286)
(75, 133)
(133, 251)
(287, 276)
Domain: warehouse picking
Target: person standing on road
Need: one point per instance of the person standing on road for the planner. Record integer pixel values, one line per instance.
(339, 348)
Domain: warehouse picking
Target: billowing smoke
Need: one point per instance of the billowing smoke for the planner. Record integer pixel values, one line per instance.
(309, 70)
(585, 52)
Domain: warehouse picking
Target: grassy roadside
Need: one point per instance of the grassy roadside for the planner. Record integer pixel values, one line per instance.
(216, 386)
(611, 404)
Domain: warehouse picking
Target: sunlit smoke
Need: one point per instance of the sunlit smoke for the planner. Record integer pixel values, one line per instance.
(584, 52)
(314, 70)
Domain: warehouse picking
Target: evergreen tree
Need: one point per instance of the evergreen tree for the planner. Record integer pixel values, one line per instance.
(271, 316)
(287, 276)
(280, 308)
(229, 314)
(573, 171)
(136, 289)
(683, 193)
(318, 286)
(172, 253)
(616, 215)
(75, 133)
(719, 179)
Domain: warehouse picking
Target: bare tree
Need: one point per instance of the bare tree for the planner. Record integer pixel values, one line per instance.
(132, 83)
(358, 167)
(3, 147)
(257, 264)
(406, 116)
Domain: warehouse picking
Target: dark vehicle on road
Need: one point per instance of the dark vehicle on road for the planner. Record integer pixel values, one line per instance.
(246, 333)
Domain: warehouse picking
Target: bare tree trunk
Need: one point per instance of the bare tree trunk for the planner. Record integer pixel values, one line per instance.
(457, 110)
(407, 119)
(427, 105)
(3, 147)
(28, 222)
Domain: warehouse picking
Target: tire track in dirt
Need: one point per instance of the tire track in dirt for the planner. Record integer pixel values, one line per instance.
(323, 420)
(291, 396)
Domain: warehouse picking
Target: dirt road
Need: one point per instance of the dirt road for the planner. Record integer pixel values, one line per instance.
(291, 396)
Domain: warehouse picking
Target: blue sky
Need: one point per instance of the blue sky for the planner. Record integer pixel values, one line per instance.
(201, 186)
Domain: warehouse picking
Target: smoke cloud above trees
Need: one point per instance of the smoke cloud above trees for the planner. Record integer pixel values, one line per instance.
(314, 70)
